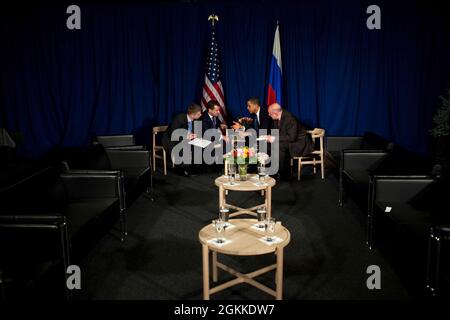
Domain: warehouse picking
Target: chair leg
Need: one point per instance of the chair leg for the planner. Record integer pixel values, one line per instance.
(2, 289)
(154, 159)
(165, 162)
(322, 168)
(299, 169)
(341, 189)
(314, 164)
(292, 165)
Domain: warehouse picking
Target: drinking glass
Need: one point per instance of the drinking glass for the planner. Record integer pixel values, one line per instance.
(218, 226)
(261, 211)
(231, 174)
(261, 173)
(223, 213)
(270, 229)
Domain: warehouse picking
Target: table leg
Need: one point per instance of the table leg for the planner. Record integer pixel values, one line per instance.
(214, 265)
(279, 274)
(269, 202)
(221, 197)
(205, 258)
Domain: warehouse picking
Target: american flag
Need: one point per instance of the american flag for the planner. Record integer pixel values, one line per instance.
(212, 88)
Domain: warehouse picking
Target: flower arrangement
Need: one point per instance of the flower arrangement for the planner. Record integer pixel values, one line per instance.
(242, 155)
(246, 122)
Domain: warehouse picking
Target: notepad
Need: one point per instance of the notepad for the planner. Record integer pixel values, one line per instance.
(219, 242)
(273, 240)
(200, 142)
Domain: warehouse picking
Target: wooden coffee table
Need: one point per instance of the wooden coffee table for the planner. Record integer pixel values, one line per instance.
(245, 186)
(244, 242)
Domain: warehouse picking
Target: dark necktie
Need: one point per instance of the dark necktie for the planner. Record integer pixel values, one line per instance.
(189, 126)
(256, 123)
(214, 122)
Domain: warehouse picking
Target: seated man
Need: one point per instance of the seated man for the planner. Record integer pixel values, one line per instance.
(260, 116)
(211, 121)
(182, 121)
(210, 117)
(293, 139)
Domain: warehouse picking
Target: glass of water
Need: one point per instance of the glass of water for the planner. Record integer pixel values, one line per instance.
(231, 174)
(223, 213)
(270, 229)
(218, 226)
(261, 173)
(261, 212)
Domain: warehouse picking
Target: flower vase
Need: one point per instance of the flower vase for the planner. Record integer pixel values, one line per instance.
(242, 172)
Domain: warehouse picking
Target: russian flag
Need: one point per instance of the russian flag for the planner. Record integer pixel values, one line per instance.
(274, 89)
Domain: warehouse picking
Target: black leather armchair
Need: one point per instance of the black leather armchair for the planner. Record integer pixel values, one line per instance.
(45, 214)
(410, 206)
(355, 169)
(133, 164)
(357, 166)
(369, 141)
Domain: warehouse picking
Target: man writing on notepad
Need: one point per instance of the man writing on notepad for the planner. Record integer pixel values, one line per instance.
(185, 121)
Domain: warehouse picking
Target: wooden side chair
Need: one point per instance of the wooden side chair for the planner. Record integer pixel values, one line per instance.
(316, 157)
(159, 148)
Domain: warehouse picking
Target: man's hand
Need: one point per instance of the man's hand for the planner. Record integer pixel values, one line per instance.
(223, 126)
(236, 125)
(191, 136)
(270, 139)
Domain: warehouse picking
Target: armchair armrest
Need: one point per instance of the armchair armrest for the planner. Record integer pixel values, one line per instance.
(136, 147)
(444, 229)
(399, 189)
(337, 144)
(361, 159)
(121, 159)
(92, 185)
(116, 140)
(31, 220)
(93, 172)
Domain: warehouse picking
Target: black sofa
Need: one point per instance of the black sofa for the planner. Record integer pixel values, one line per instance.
(408, 213)
(44, 215)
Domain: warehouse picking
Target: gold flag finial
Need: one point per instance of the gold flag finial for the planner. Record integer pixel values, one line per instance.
(214, 18)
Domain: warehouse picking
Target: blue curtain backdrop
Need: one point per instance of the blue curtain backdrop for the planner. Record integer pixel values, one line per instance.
(132, 66)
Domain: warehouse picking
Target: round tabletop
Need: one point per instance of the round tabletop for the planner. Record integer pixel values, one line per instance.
(245, 240)
(248, 185)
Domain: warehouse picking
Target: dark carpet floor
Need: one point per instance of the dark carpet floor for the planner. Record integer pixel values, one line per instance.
(161, 258)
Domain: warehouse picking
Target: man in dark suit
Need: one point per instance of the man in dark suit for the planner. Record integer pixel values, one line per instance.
(185, 121)
(210, 117)
(260, 116)
(210, 120)
(293, 139)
